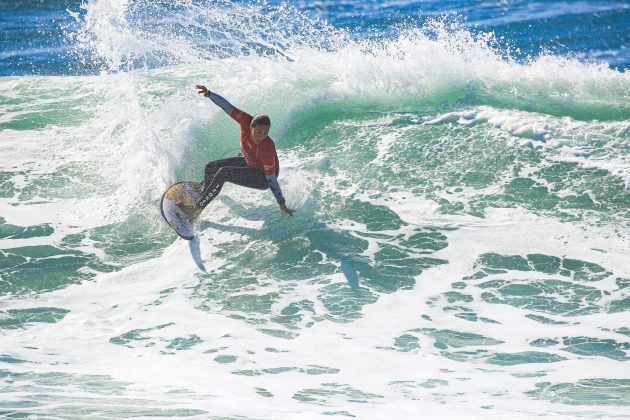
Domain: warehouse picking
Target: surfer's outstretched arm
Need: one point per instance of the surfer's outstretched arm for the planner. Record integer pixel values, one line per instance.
(219, 100)
(274, 186)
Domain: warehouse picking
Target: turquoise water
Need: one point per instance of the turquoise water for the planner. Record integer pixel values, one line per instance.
(461, 176)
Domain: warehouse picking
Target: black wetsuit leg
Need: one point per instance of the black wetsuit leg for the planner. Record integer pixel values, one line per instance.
(233, 170)
(215, 165)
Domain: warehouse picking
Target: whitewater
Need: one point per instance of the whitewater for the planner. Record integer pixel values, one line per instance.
(461, 241)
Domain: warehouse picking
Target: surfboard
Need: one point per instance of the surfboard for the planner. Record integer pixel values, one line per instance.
(178, 207)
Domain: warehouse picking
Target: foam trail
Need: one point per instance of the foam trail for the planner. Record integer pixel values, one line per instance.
(460, 241)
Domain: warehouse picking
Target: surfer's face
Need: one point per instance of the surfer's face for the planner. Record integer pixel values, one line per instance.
(259, 133)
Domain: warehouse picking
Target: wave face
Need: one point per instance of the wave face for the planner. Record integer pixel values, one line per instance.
(462, 190)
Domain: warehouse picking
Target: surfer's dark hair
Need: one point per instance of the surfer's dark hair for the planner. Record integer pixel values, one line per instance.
(260, 119)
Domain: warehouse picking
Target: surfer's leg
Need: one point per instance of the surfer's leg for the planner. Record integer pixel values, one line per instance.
(212, 168)
(239, 175)
(248, 177)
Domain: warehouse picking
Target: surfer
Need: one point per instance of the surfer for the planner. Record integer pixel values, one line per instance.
(258, 167)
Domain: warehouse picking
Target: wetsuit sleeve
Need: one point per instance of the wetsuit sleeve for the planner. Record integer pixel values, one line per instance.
(272, 181)
(241, 117)
(268, 159)
(221, 102)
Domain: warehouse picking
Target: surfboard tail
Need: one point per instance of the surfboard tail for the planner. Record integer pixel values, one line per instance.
(178, 207)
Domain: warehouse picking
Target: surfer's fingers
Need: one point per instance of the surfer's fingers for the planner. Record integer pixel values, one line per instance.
(288, 211)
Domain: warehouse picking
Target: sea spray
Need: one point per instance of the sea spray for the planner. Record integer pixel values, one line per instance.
(460, 241)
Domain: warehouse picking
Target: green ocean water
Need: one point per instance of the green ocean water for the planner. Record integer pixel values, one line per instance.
(461, 238)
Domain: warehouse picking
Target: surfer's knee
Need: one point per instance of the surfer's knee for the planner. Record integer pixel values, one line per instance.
(210, 167)
(221, 174)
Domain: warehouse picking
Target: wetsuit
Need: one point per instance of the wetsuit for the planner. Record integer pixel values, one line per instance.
(259, 168)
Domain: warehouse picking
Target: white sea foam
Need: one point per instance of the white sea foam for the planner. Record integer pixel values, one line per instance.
(126, 301)
(564, 139)
(146, 128)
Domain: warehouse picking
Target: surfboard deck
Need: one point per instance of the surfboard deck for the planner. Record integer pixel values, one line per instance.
(178, 207)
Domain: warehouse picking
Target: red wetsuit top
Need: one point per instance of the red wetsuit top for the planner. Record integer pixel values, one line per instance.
(258, 156)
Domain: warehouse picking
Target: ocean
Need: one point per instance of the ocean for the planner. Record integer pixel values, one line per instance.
(460, 172)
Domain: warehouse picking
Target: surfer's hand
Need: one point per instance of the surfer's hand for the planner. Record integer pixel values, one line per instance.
(287, 210)
(203, 90)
